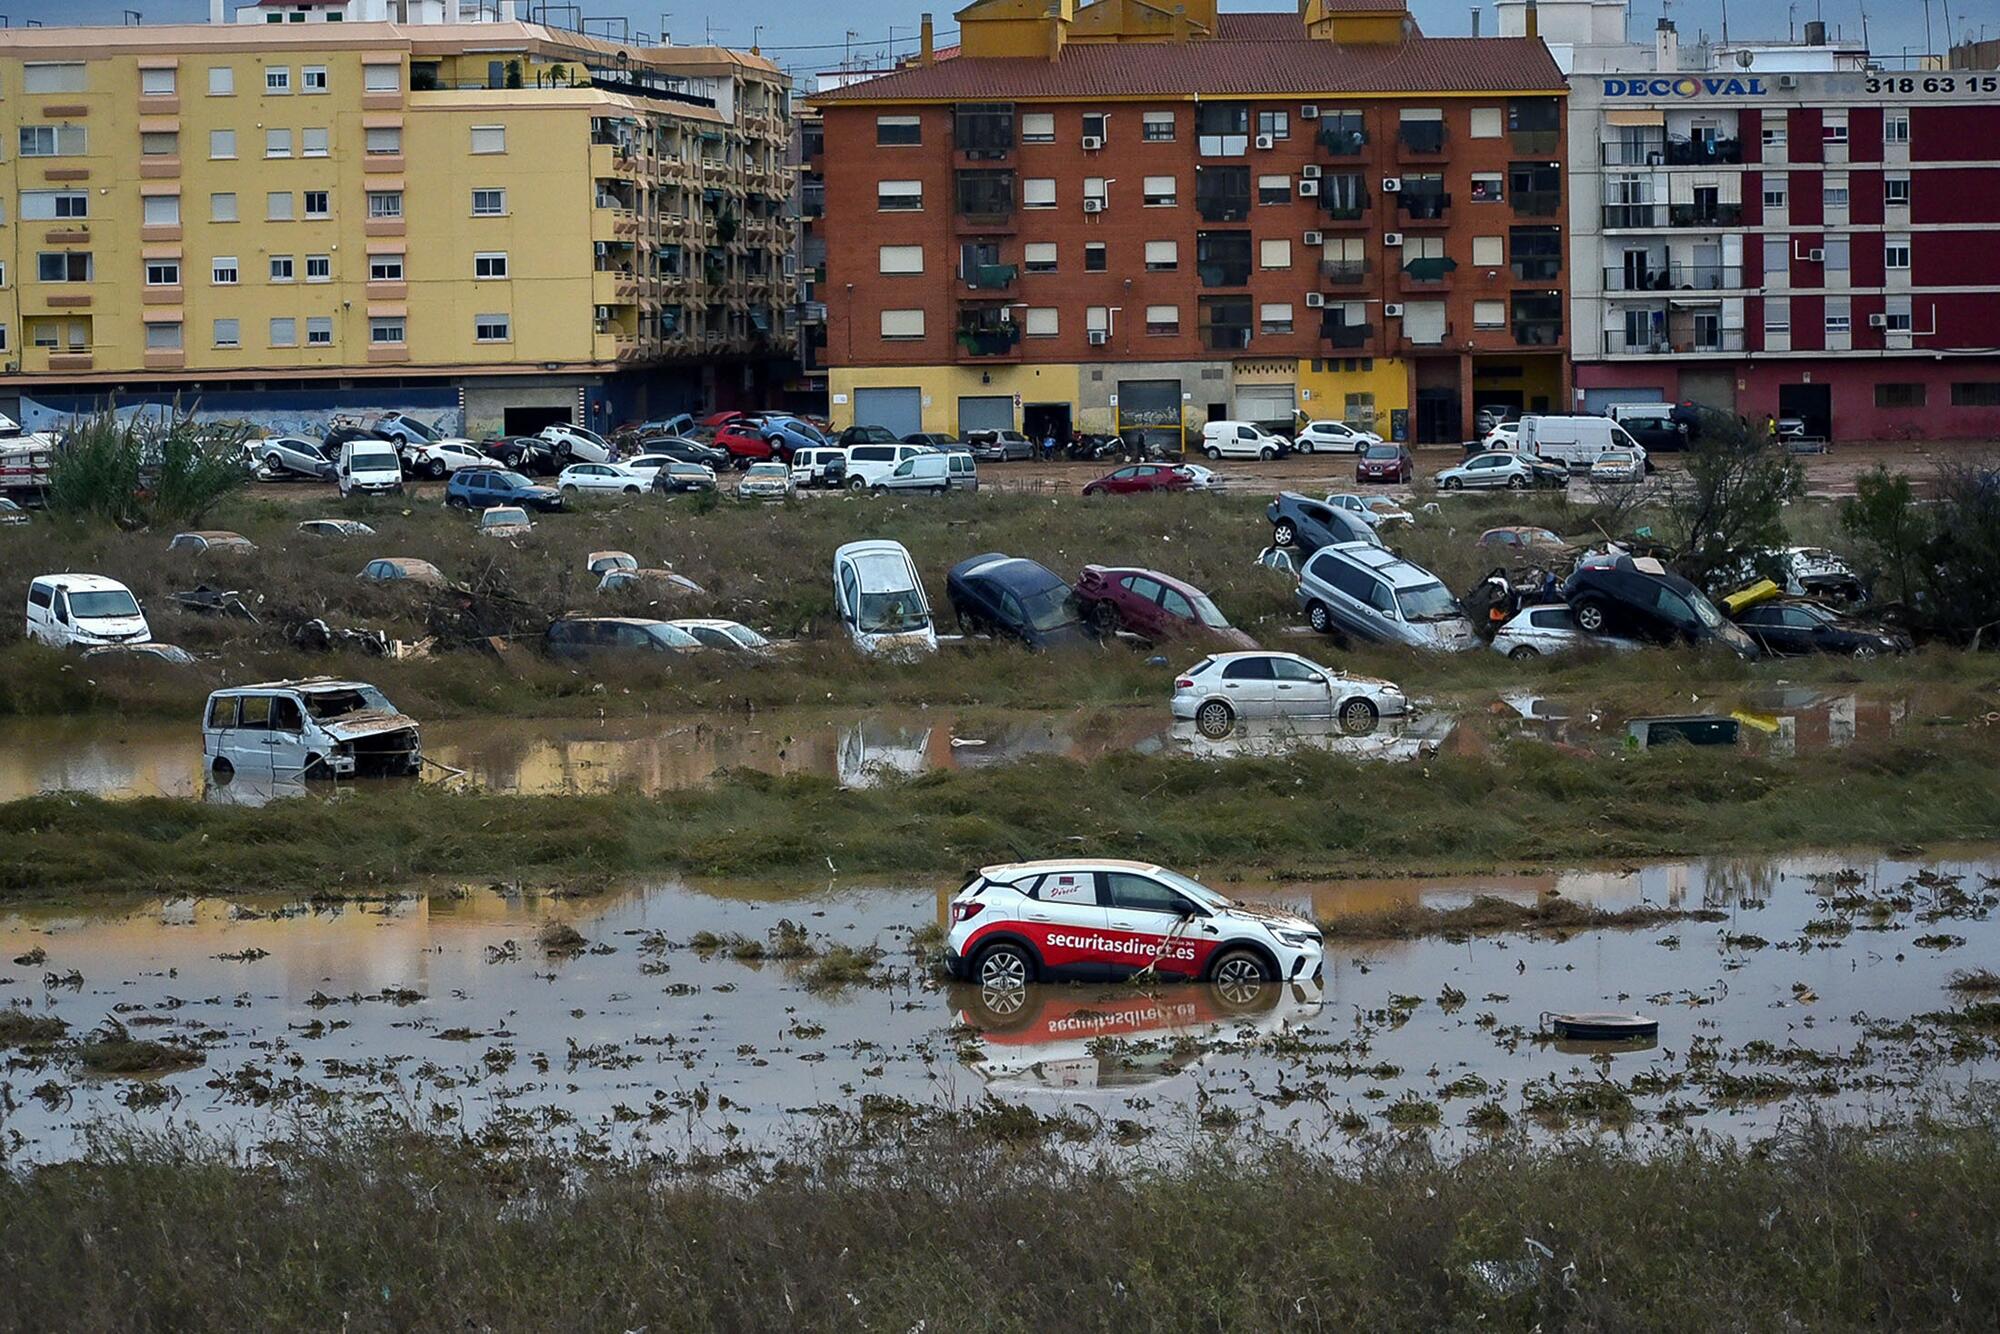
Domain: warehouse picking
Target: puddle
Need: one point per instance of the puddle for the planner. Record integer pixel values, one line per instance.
(1806, 986)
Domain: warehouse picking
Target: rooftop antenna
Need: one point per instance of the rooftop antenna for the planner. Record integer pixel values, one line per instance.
(133, 18)
(1927, 29)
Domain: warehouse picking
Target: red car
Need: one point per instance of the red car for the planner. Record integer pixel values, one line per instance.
(1140, 477)
(1385, 463)
(744, 440)
(1153, 606)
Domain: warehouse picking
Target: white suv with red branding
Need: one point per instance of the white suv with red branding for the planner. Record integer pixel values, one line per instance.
(1105, 920)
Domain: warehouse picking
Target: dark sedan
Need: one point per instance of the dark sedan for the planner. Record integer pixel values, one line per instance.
(1385, 463)
(1636, 597)
(680, 448)
(1153, 606)
(524, 453)
(1014, 598)
(1136, 477)
(1785, 628)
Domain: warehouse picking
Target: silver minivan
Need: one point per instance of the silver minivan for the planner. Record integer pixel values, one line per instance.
(1369, 593)
(316, 728)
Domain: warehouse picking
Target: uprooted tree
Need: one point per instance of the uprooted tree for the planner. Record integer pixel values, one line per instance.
(1728, 510)
(1939, 562)
(139, 472)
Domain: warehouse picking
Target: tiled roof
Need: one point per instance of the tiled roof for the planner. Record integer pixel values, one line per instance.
(1227, 66)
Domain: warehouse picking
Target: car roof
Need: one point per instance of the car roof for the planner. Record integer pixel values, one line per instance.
(406, 562)
(1005, 871)
(1016, 570)
(305, 685)
(1268, 653)
(213, 535)
(1181, 586)
(81, 583)
(642, 621)
(705, 623)
(1399, 572)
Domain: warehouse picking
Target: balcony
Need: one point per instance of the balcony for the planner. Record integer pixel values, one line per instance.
(1684, 342)
(1634, 215)
(1424, 207)
(1704, 215)
(1342, 137)
(1538, 333)
(1429, 271)
(1343, 271)
(1674, 278)
(991, 277)
(1421, 138)
(1537, 203)
(989, 340)
(1225, 337)
(1535, 143)
(1407, 343)
(1337, 334)
(1346, 206)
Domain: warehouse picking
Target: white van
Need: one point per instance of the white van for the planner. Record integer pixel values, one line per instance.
(368, 467)
(869, 465)
(84, 611)
(316, 728)
(1576, 441)
(925, 472)
(881, 600)
(1242, 440)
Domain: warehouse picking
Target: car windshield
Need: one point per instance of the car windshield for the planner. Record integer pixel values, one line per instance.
(104, 602)
(325, 704)
(688, 470)
(503, 518)
(422, 431)
(1381, 451)
(891, 613)
(1209, 614)
(768, 470)
(585, 433)
(673, 636)
(745, 636)
(511, 479)
(1426, 602)
(1194, 889)
(1705, 609)
(1050, 609)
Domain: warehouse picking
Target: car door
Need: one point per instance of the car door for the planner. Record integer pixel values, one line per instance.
(1147, 922)
(285, 736)
(1139, 605)
(1248, 685)
(219, 740)
(254, 744)
(1177, 614)
(1063, 919)
(1299, 691)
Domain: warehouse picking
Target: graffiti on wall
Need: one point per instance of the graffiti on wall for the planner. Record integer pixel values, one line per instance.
(307, 413)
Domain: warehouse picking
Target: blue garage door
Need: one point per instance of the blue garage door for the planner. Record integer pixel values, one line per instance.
(900, 410)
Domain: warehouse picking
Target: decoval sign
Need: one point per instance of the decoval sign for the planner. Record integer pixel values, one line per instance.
(1684, 86)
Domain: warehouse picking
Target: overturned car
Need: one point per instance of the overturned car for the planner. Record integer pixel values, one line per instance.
(314, 728)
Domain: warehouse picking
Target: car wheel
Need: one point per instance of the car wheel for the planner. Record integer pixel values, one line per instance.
(1239, 970)
(1590, 617)
(457, 502)
(1212, 452)
(1524, 653)
(1104, 617)
(1285, 534)
(1319, 618)
(434, 469)
(1517, 483)
(1864, 651)
(880, 489)
(858, 485)
(569, 491)
(1004, 965)
(631, 490)
(1453, 484)
(1214, 719)
(1358, 717)
(273, 462)
(1267, 453)
(1303, 446)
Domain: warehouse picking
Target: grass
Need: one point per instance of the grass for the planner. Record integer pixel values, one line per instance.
(18, 1028)
(1489, 914)
(111, 1050)
(991, 1226)
(1305, 815)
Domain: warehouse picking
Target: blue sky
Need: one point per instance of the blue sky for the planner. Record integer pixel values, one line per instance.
(810, 37)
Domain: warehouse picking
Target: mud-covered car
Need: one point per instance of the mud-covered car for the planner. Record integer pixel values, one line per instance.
(1011, 597)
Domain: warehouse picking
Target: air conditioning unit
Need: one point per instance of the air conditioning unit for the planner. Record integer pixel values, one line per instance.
(1392, 238)
(1315, 238)
(1093, 206)
(1006, 315)
(1309, 112)
(604, 312)
(1314, 300)
(1788, 81)
(1091, 143)
(1266, 141)
(1310, 172)
(1308, 188)
(1816, 255)
(1878, 321)
(1099, 337)
(1392, 309)
(1391, 184)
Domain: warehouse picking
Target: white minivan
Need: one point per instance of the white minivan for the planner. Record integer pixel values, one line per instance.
(881, 599)
(316, 728)
(1242, 440)
(1576, 441)
(870, 465)
(956, 471)
(84, 611)
(369, 467)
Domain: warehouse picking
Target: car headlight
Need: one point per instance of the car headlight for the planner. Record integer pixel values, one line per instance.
(1298, 940)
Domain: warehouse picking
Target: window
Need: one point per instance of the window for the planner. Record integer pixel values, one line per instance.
(1836, 253)
(1038, 192)
(281, 268)
(1160, 192)
(899, 196)
(1097, 125)
(278, 206)
(1896, 191)
(1097, 319)
(383, 141)
(489, 138)
(1277, 124)
(1774, 190)
(386, 329)
(1839, 320)
(1835, 128)
(1895, 127)
(1157, 127)
(1098, 188)
(221, 81)
(64, 266)
(1488, 252)
(382, 79)
(160, 211)
(1274, 319)
(1896, 314)
(277, 143)
(222, 144)
(902, 324)
(1833, 192)
(312, 79)
(278, 80)
(1162, 256)
(490, 265)
(159, 143)
(901, 259)
(228, 333)
(222, 271)
(156, 82)
(313, 143)
(222, 208)
(319, 268)
(1899, 395)
(1095, 256)
(319, 331)
(1163, 321)
(389, 203)
(163, 337)
(51, 78)
(1274, 254)
(491, 329)
(898, 132)
(385, 268)
(1487, 123)
(1774, 138)
(1274, 189)
(48, 205)
(1895, 252)
(316, 204)
(1778, 315)
(1039, 257)
(1488, 187)
(1777, 256)
(54, 141)
(1489, 314)
(163, 273)
(284, 332)
(485, 204)
(1976, 394)
(1038, 127)
(1041, 322)
(1222, 194)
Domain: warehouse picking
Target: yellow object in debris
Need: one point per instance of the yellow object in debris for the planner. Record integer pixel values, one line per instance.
(1745, 598)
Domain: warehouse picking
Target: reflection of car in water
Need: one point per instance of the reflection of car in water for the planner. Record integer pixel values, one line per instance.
(251, 790)
(1069, 1039)
(1410, 738)
(872, 751)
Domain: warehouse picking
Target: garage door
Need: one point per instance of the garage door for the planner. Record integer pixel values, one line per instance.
(1597, 402)
(900, 410)
(1269, 405)
(985, 412)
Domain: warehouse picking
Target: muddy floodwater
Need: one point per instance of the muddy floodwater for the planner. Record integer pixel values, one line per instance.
(636, 1018)
(118, 759)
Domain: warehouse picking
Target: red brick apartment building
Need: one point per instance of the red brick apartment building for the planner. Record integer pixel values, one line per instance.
(1107, 216)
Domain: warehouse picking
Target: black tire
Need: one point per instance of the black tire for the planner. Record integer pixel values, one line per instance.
(857, 484)
(1285, 534)
(631, 490)
(1104, 617)
(1215, 719)
(222, 769)
(1320, 618)
(1240, 968)
(1358, 717)
(1590, 616)
(1004, 964)
(1303, 446)
(570, 491)
(1213, 453)
(457, 502)
(1865, 652)
(1453, 484)
(434, 469)
(273, 462)
(1517, 483)
(1525, 653)
(1267, 453)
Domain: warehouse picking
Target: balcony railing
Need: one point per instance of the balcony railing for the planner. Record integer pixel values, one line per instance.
(1349, 208)
(1343, 270)
(1635, 215)
(1674, 278)
(1345, 335)
(1535, 143)
(1422, 138)
(1537, 203)
(1721, 340)
(1671, 152)
(990, 341)
(1338, 140)
(991, 277)
(1225, 337)
(1704, 215)
(1424, 207)
(1538, 333)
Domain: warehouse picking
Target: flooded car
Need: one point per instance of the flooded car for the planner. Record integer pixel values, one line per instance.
(881, 600)
(316, 728)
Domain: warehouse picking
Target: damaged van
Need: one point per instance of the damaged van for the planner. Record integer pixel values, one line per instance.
(316, 728)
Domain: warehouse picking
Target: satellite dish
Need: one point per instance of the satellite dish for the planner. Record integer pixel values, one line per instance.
(1744, 58)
